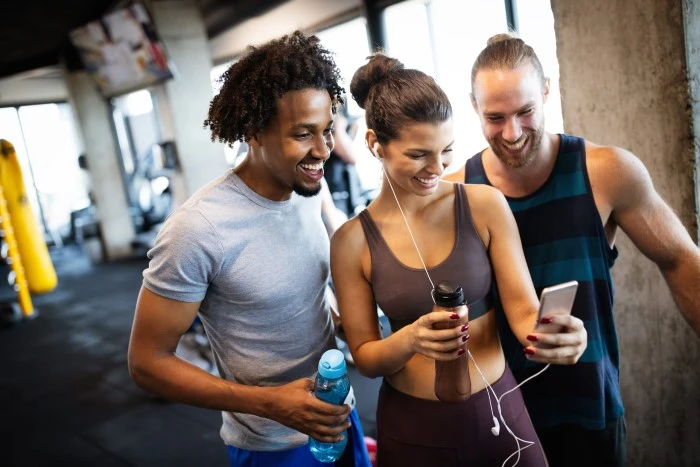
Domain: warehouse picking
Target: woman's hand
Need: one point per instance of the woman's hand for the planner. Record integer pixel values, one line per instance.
(562, 340)
(444, 344)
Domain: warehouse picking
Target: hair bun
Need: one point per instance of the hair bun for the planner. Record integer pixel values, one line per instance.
(376, 70)
(501, 38)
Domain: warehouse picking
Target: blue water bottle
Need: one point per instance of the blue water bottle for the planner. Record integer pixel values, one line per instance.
(332, 386)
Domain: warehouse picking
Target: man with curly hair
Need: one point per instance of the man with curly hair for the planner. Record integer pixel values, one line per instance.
(249, 254)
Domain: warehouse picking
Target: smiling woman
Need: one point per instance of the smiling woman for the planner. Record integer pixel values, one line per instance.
(420, 227)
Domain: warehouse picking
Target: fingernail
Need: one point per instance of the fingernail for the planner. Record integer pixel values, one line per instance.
(465, 327)
(546, 320)
(460, 352)
(464, 338)
(454, 316)
(532, 338)
(529, 351)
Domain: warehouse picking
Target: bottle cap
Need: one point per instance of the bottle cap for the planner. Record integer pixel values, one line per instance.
(448, 294)
(332, 364)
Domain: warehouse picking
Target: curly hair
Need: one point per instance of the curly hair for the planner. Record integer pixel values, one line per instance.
(247, 101)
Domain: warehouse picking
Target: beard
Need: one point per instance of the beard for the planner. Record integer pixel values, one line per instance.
(534, 140)
(305, 191)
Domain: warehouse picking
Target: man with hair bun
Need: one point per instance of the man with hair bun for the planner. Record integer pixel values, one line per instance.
(569, 196)
(249, 254)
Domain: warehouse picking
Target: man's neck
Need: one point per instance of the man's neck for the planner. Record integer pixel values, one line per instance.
(523, 181)
(257, 177)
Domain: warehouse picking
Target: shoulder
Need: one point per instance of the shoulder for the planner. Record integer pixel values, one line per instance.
(485, 198)
(489, 211)
(615, 172)
(348, 247)
(186, 228)
(611, 158)
(349, 237)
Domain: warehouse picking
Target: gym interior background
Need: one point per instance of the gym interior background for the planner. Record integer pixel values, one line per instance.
(103, 171)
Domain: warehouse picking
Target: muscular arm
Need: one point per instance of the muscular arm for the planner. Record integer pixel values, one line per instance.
(654, 228)
(158, 325)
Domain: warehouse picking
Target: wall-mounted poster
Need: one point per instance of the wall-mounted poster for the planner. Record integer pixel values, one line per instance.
(122, 51)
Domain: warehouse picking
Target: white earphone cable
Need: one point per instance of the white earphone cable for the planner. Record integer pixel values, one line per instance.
(409, 232)
(488, 386)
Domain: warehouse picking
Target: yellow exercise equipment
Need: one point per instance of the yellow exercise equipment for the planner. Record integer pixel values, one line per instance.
(38, 268)
(10, 253)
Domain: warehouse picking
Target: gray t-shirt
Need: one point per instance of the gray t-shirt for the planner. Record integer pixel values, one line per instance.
(260, 269)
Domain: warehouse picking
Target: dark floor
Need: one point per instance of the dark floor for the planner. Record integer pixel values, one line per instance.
(65, 391)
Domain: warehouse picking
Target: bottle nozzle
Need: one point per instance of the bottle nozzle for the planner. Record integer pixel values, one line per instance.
(448, 294)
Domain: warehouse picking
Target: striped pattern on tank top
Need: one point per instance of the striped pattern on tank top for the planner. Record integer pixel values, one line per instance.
(563, 239)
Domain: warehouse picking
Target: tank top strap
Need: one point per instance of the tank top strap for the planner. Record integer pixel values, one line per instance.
(465, 224)
(370, 228)
(463, 218)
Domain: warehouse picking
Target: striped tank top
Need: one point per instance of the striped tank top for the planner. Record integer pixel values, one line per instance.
(563, 239)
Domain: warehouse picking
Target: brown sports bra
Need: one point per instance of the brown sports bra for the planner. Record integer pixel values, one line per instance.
(403, 293)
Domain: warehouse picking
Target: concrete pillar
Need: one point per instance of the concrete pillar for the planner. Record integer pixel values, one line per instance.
(94, 123)
(624, 83)
(691, 17)
(183, 102)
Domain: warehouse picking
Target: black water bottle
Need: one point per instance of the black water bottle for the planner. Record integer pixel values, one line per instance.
(452, 382)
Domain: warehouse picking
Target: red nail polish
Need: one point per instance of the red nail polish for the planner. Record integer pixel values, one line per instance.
(464, 338)
(532, 338)
(465, 327)
(529, 351)
(454, 316)
(460, 352)
(546, 320)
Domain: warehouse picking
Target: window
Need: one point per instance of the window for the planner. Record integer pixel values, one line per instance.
(45, 142)
(409, 36)
(448, 35)
(443, 38)
(350, 44)
(536, 27)
(147, 172)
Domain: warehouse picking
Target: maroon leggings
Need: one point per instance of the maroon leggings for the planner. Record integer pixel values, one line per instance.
(422, 433)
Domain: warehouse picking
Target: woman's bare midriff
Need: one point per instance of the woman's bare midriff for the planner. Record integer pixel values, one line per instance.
(417, 378)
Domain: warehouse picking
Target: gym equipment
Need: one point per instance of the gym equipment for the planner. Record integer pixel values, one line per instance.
(31, 246)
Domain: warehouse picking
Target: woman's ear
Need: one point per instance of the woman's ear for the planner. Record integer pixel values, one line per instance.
(372, 143)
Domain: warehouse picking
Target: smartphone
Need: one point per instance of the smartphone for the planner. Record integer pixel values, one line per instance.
(555, 300)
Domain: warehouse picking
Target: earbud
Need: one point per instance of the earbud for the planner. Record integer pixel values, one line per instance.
(496, 429)
(375, 151)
